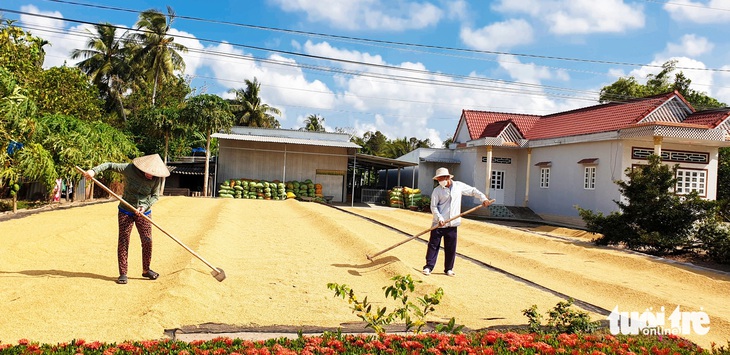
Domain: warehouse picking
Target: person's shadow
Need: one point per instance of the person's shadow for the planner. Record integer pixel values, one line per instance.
(60, 273)
(374, 264)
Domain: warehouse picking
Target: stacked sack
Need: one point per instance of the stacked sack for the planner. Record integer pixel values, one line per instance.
(395, 197)
(305, 188)
(252, 189)
(412, 198)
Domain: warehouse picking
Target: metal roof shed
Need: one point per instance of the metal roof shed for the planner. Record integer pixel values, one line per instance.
(286, 155)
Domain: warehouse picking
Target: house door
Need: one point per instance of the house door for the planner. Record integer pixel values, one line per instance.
(496, 188)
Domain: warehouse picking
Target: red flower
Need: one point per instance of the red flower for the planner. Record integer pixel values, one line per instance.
(411, 345)
(490, 338)
(127, 347)
(94, 345)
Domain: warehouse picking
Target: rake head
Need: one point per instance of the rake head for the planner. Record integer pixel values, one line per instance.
(219, 274)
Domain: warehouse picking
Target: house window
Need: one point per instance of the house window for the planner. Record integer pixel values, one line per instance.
(544, 178)
(689, 180)
(589, 178)
(497, 181)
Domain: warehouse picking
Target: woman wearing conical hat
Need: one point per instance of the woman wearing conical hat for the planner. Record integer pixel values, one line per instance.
(143, 178)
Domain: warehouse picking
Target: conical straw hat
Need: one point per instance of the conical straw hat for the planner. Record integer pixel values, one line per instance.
(152, 164)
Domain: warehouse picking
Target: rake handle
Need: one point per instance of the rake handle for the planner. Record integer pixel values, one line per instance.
(97, 182)
(370, 257)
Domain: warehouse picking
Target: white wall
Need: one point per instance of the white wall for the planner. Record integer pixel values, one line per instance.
(566, 189)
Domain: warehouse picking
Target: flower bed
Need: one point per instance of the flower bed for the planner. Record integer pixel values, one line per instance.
(489, 342)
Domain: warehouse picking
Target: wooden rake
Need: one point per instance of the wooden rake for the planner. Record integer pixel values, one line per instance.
(370, 257)
(217, 272)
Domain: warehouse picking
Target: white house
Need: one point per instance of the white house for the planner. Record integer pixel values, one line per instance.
(555, 162)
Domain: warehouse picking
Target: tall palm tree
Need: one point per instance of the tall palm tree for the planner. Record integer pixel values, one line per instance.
(106, 61)
(314, 123)
(158, 51)
(250, 111)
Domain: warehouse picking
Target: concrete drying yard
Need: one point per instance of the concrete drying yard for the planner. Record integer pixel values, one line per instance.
(57, 271)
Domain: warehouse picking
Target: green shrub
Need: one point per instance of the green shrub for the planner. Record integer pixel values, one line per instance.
(561, 319)
(413, 314)
(715, 238)
(650, 217)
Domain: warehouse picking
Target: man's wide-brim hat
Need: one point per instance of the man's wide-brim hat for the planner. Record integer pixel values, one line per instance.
(442, 172)
(152, 164)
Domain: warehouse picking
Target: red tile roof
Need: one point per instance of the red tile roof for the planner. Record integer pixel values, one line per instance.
(711, 118)
(594, 119)
(478, 121)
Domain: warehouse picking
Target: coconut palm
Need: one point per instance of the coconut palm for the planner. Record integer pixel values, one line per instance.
(314, 123)
(250, 111)
(157, 51)
(106, 61)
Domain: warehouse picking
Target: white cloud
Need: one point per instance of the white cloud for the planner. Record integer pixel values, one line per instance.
(324, 49)
(281, 85)
(565, 17)
(722, 93)
(394, 15)
(714, 11)
(457, 9)
(689, 45)
(406, 108)
(193, 59)
(500, 35)
(529, 72)
(62, 42)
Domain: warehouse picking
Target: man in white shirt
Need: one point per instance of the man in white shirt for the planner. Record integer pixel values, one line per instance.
(446, 204)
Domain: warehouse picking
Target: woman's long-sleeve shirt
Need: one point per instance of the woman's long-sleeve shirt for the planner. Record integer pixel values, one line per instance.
(138, 190)
(446, 202)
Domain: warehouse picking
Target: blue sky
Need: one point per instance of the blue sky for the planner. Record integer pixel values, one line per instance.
(409, 67)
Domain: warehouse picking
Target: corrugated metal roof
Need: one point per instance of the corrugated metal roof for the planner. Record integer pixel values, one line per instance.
(379, 162)
(188, 170)
(442, 160)
(285, 140)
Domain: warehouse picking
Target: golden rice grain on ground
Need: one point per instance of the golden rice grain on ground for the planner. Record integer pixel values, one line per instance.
(57, 271)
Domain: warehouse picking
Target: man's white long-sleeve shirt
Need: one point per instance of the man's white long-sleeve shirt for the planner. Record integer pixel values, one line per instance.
(446, 202)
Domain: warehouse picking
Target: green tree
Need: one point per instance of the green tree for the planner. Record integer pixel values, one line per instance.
(650, 216)
(163, 123)
(170, 135)
(16, 127)
(106, 62)
(67, 91)
(314, 123)
(209, 114)
(447, 142)
(250, 111)
(402, 146)
(74, 142)
(373, 143)
(157, 51)
(627, 88)
(21, 53)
